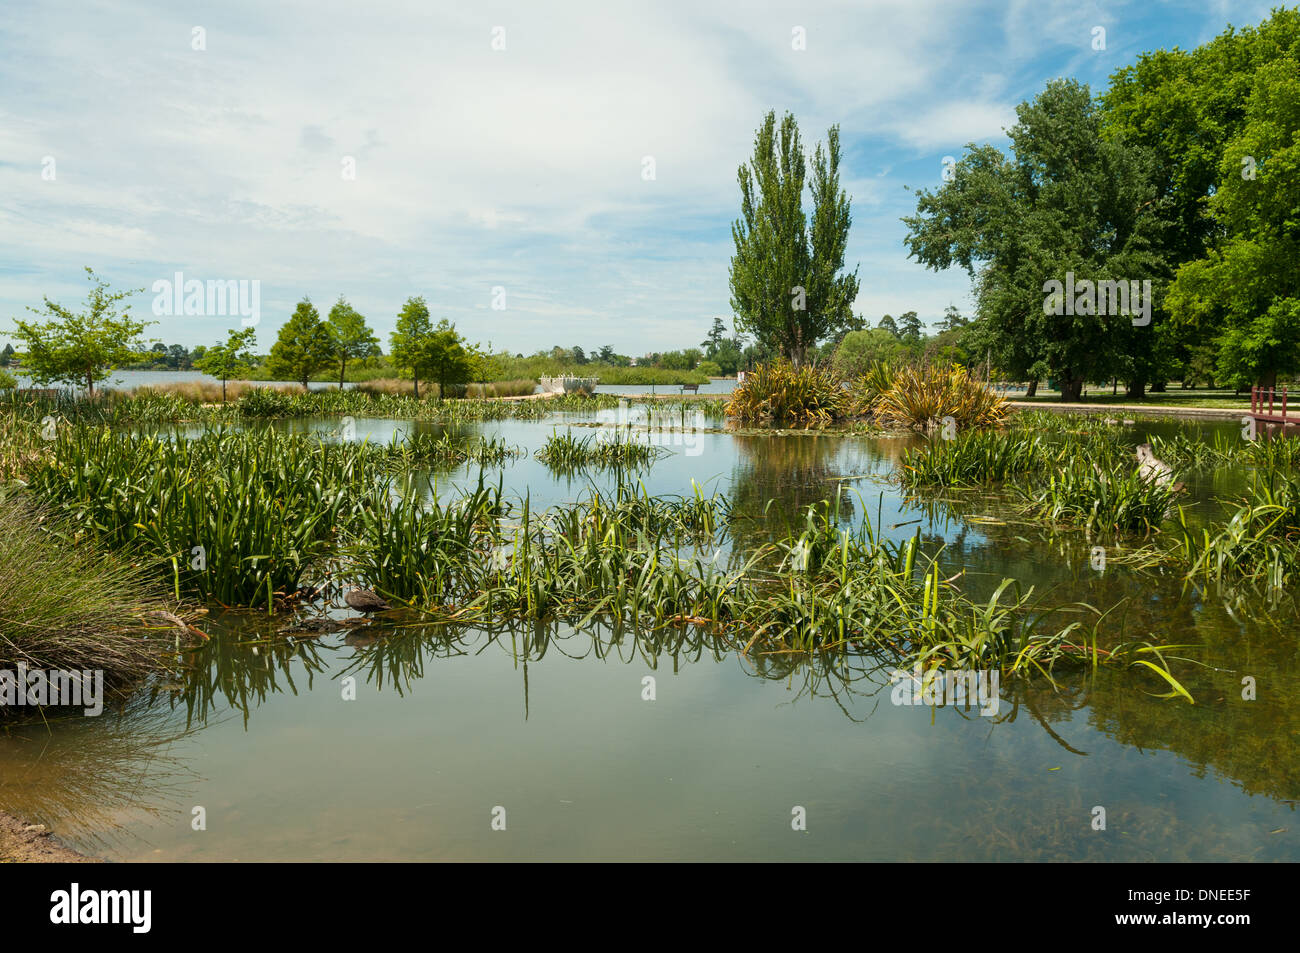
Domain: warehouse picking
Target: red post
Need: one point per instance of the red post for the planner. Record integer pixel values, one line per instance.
(1270, 402)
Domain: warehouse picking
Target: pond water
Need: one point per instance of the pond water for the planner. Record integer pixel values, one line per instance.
(450, 725)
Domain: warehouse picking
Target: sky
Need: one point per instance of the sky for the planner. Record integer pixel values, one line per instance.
(542, 173)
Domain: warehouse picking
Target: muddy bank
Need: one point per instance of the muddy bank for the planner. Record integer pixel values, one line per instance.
(24, 843)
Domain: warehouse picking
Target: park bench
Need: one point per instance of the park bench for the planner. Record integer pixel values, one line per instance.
(693, 388)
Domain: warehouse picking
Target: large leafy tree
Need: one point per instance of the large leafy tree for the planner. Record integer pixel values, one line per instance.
(81, 347)
(787, 289)
(351, 336)
(303, 347)
(230, 360)
(1066, 200)
(1221, 120)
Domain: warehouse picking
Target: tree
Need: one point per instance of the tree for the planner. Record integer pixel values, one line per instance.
(410, 342)
(952, 319)
(887, 323)
(910, 329)
(303, 347)
(1069, 202)
(81, 347)
(1249, 283)
(7, 355)
(1218, 119)
(449, 361)
(786, 286)
(861, 349)
(717, 334)
(230, 360)
(350, 335)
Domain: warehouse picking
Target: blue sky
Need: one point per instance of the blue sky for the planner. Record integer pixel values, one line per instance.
(519, 168)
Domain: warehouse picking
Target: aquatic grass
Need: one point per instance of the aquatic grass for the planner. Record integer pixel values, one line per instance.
(565, 452)
(972, 458)
(1117, 499)
(1260, 542)
(922, 395)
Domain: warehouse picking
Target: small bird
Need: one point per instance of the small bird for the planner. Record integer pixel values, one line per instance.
(365, 600)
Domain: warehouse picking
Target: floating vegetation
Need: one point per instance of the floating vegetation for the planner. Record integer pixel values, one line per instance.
(565, 452)
(1118, 499)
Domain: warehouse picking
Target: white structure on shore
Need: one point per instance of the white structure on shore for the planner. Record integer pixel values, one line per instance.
(568, 385)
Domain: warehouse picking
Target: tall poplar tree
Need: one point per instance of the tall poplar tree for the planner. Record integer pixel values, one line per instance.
(787, 289)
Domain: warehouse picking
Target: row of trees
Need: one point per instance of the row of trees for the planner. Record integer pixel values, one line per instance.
(85, 347)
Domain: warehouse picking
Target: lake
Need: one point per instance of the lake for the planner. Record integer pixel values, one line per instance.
(557, 727)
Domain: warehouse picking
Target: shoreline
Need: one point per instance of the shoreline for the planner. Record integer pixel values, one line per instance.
(23, 843)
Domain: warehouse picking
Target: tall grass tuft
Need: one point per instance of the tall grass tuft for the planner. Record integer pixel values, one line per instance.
(782, 393)
(922, 395)
(65, 605)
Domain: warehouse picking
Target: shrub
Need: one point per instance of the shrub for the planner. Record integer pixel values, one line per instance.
(923, 395)
(783, 393)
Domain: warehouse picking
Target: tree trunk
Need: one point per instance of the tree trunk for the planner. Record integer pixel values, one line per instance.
(1268, 378)
(1159, 387)
(1031, 390)
(1071, 389)
(343, 371)
(1136, 389)
(223, 390)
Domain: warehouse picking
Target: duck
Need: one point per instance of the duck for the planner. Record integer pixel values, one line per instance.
(365, 600)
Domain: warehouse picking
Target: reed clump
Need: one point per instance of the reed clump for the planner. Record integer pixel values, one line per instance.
(66, 605)
(565, 452)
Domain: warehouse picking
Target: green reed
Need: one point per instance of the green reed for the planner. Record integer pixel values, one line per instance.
(565, 452)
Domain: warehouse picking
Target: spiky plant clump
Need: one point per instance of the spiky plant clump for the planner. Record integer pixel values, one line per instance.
(782, 393)
(923, 395)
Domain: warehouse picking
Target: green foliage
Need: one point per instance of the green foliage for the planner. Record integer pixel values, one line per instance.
(1068, 200)
(303, 347)
(436, 353)
(351, 337)
(783, 393)
(229, 360)
(7, 381)
(81, 347)
(860, 351)
(778, 252)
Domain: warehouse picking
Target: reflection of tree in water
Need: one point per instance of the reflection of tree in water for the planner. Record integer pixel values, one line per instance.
(779, 476)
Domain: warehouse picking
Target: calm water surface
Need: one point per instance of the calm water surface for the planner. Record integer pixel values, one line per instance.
(551, 724)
